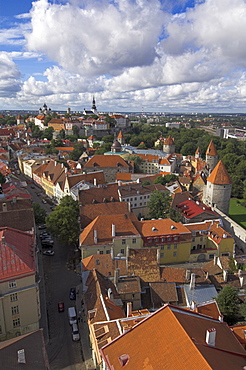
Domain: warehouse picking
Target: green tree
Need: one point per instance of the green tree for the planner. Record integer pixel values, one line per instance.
(110, 120)
(237, 187)
(2, 178)
(63, 221)
(47, 133)
(39, 214)
(159, 204)
(75, 130)
(175, 214)
(106, 147)
(62, 134)
(227, 300)
(77, 151)
(165, 179)
(137, 162)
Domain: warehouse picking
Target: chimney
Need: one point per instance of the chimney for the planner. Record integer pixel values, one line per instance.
(193, 305)
(113, 230)
(158, 256)
(112, 253)
(192, 281)
(187, 274)
(215, 260)
(129, 309)
(116, 275)
(225, 275)
(95, 236)
(221, 318)
(4, 207)
(210, 337)
(14, 199)
(110, 293)
(95, 181)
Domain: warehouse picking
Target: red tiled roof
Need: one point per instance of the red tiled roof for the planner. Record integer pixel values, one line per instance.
(169, 141)
(106, 161)
(17, 254)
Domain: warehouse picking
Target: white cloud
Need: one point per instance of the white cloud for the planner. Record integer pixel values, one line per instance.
(9, 76)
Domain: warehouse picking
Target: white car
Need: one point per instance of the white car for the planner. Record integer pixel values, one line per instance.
(75, 332)
(49, 253)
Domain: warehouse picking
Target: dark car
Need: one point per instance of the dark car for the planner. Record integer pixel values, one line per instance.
(49, 253)
(47, 243)
(72, 294)
(60, 307)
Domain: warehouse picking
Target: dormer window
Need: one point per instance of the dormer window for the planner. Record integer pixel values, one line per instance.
(124, 359)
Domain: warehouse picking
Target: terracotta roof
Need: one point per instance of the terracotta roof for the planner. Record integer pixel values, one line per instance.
(169, 141)
(106, 161)
(129, 285)
(219, 175)
(191, 209)
(120, 135)
(143, 263)
(176, 340)
(128, 190)
(178, 275)
(90, 211)
(103, 225)
(210, 309)
(162, 292)
(96, 299)
(104, 264)
(239, 331)
(99, 195)
(211, 150)
(19, 214)
(17, 254)
(160, 227)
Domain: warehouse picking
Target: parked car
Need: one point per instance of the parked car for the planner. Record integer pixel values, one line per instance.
(75, 332)
(72, 294)
(43, 226)
(49, 253)
(44, 201)
(47, 243)
(60, 306)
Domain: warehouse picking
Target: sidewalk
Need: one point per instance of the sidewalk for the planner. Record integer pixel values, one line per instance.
(84, 330)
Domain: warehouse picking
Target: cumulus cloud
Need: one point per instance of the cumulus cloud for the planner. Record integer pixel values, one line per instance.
(98, 38)
(133, 53)
(9, 76)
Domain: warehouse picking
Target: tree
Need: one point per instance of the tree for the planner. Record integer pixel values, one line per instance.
(75, 130)
(227, 301)
(39, 214)
(159, 204)
(175, 214)
(2, 178)
(77, 151)
(165, 179)
(237, 187)
(48, 133)
(63, 221)
(137, 162)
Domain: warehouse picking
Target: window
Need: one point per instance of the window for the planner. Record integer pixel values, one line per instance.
(107, 251)
(123, 241)
(135, 205)
(211, 256)
(193, 238)
(174, 254)
(150, 241)
(16, 323)
(141, 197)
(225, 254)
(169, 247)
(135, 198)
(13, 297)
(122, 251)
(12, 284)
(15, 310)
(162, 247)
(1, 330)
(176, 238)
(134, 241)
(97, 262)
(101, 252)
(175, 246)
(162, 255)
(131, 199)
(201, 239)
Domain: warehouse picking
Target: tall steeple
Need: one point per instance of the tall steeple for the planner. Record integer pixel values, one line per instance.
(94, 108)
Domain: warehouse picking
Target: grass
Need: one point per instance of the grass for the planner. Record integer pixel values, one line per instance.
(237, 212)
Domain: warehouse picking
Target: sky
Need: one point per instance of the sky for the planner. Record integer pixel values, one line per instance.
(131, 55)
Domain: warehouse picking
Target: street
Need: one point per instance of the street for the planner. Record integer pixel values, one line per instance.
(57, 276)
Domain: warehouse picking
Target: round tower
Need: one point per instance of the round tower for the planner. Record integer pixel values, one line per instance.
(198, 153)
(169, 146)
(211, 156)
(116, 147)
(218, 188)
(121, 138)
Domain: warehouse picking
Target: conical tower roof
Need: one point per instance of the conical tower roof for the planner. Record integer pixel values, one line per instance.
(169, 141)
(219, 175)
(211, 150)
(120, 135)
(198, 151)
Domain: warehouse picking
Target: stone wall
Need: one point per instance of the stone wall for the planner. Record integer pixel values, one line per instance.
(238, 232)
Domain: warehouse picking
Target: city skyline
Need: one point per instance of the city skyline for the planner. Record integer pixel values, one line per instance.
(132, 55)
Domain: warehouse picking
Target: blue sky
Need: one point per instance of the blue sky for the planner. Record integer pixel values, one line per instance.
(160, 56)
